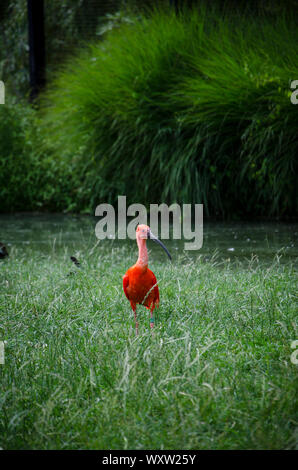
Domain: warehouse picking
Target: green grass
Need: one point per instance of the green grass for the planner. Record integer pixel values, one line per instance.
(199, 101)
(215, 375)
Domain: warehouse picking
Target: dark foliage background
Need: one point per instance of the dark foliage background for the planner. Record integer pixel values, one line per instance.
(210, 119)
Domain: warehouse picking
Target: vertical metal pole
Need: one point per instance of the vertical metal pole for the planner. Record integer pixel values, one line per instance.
(36, 46)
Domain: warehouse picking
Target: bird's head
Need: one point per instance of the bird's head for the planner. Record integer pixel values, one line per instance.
(143, 232)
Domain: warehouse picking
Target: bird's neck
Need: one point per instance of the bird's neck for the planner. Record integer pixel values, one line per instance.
(143, 253)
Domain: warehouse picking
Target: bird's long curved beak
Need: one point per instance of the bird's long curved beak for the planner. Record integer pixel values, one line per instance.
(156, 240)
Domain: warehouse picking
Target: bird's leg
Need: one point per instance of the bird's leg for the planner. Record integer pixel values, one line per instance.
(134, 307)
(151, 318)
(137, 323)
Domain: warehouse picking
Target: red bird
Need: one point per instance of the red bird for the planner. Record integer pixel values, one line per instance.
(139, 282)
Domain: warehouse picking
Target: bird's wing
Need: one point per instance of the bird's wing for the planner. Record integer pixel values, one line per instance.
(125, 284)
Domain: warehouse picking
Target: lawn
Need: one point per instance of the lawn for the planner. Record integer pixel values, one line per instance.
(216, 373)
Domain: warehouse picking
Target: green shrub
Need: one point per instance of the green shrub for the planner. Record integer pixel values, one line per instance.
(187, 108)
(17, 165)
(30, 179)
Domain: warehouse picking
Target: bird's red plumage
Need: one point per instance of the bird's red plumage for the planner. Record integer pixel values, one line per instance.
(137, 282)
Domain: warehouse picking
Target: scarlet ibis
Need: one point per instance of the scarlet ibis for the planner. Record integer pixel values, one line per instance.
(139, 282)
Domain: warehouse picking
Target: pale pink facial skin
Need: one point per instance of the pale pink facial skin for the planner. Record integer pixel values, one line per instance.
(142, 231)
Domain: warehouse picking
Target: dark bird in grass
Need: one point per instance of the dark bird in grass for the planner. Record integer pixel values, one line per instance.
(77, 263)
(3, 251)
